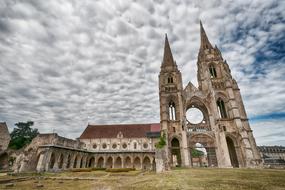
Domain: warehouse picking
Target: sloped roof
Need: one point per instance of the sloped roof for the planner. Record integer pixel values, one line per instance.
(111, 131)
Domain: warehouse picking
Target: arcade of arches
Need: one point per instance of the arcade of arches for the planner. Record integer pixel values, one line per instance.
(54, 159)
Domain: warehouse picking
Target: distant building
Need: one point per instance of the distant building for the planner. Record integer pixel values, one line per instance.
(273, 156)
(4, 142)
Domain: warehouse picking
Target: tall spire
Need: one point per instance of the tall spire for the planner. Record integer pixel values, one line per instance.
(205, 44)
(167, 56)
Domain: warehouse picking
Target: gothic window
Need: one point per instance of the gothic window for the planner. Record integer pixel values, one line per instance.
(172, 112)
(170, 80)
(213, 72)
(221, 108)
(135, 145)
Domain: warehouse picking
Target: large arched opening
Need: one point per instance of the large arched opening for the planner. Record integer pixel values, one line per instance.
(232, 152)
(109, 163)
(52, 161)
(60, 161)
(68, 162)
(146, 163)
(128, 162)
(175, 152)
(91, 162)
(118, 163)
(137, 163)
(75, 162)
(203, 150)
(100, 162)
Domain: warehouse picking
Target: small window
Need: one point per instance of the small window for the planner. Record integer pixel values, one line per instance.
(224, 128)
(213, 72)
(104, 145)
(135, 145)
(124, 146)
(145, 145)
(95, 146)
(170, 79)
(114, 146)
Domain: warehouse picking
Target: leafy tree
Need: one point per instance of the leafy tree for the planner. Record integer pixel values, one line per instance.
(197, 153)
(22, 135)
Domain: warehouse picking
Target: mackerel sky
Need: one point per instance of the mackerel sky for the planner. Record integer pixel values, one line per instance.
(64, 64)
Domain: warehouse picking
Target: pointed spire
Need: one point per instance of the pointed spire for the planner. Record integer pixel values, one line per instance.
(167, 56)
(205, 44)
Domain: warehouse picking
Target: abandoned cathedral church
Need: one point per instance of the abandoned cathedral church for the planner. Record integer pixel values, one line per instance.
(219, 132)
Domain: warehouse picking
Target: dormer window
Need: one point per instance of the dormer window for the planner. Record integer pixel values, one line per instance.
(212, 71)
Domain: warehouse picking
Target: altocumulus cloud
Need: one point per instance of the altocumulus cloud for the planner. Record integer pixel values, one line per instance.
(66, 63)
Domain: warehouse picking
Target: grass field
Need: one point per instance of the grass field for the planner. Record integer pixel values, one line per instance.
(198, 179)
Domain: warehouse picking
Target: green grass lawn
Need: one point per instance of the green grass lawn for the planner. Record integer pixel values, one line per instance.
(198, 179)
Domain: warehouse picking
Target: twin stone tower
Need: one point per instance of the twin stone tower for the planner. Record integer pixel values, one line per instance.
(223, 131)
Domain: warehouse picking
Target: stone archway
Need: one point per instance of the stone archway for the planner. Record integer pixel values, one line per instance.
(91, 163)
(232, 152)
(100, 162)
(60, 161)
(128, 162)
(75, 162)
(206, 142)
(118, 163)
(175, 152)
(68, 160)
(137, 163)
(52, 161)
(109, 162)
(81, 162)
(146, 163)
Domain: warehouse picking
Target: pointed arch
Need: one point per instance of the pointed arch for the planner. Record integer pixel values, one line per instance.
(60, 161)
(100, 162)
(172, 111)
(118, 162)
(52, 161)
(137, 163)
(232, 152)
(68, 161)
(128, 162)
(109, 162)
(212, 70)
(222, 108)
(175, 152)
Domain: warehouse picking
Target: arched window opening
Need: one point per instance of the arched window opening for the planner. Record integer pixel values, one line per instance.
(135, 145)
(170, 79)
(232, 152)
(172, 112)
(52, 161)
(221, 108)
(213, 72)
(175, 152)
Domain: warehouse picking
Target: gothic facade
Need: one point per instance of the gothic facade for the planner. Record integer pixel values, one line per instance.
(223, 132)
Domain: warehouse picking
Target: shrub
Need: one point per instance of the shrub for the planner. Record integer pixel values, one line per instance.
(162, 142)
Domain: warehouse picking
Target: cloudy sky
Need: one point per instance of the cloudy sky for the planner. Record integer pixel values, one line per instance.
(66, 63)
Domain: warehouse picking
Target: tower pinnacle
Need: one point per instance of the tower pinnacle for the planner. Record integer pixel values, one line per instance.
(167, 56)
(205, 44)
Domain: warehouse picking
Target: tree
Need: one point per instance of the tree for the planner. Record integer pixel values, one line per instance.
(197, 153)
(22, 135)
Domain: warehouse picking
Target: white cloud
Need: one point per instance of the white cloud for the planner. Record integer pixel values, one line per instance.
(64, 63)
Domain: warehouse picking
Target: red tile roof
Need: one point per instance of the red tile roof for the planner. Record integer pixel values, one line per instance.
(111, 131)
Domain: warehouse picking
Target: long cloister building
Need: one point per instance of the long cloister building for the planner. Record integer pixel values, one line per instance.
(211, 117)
